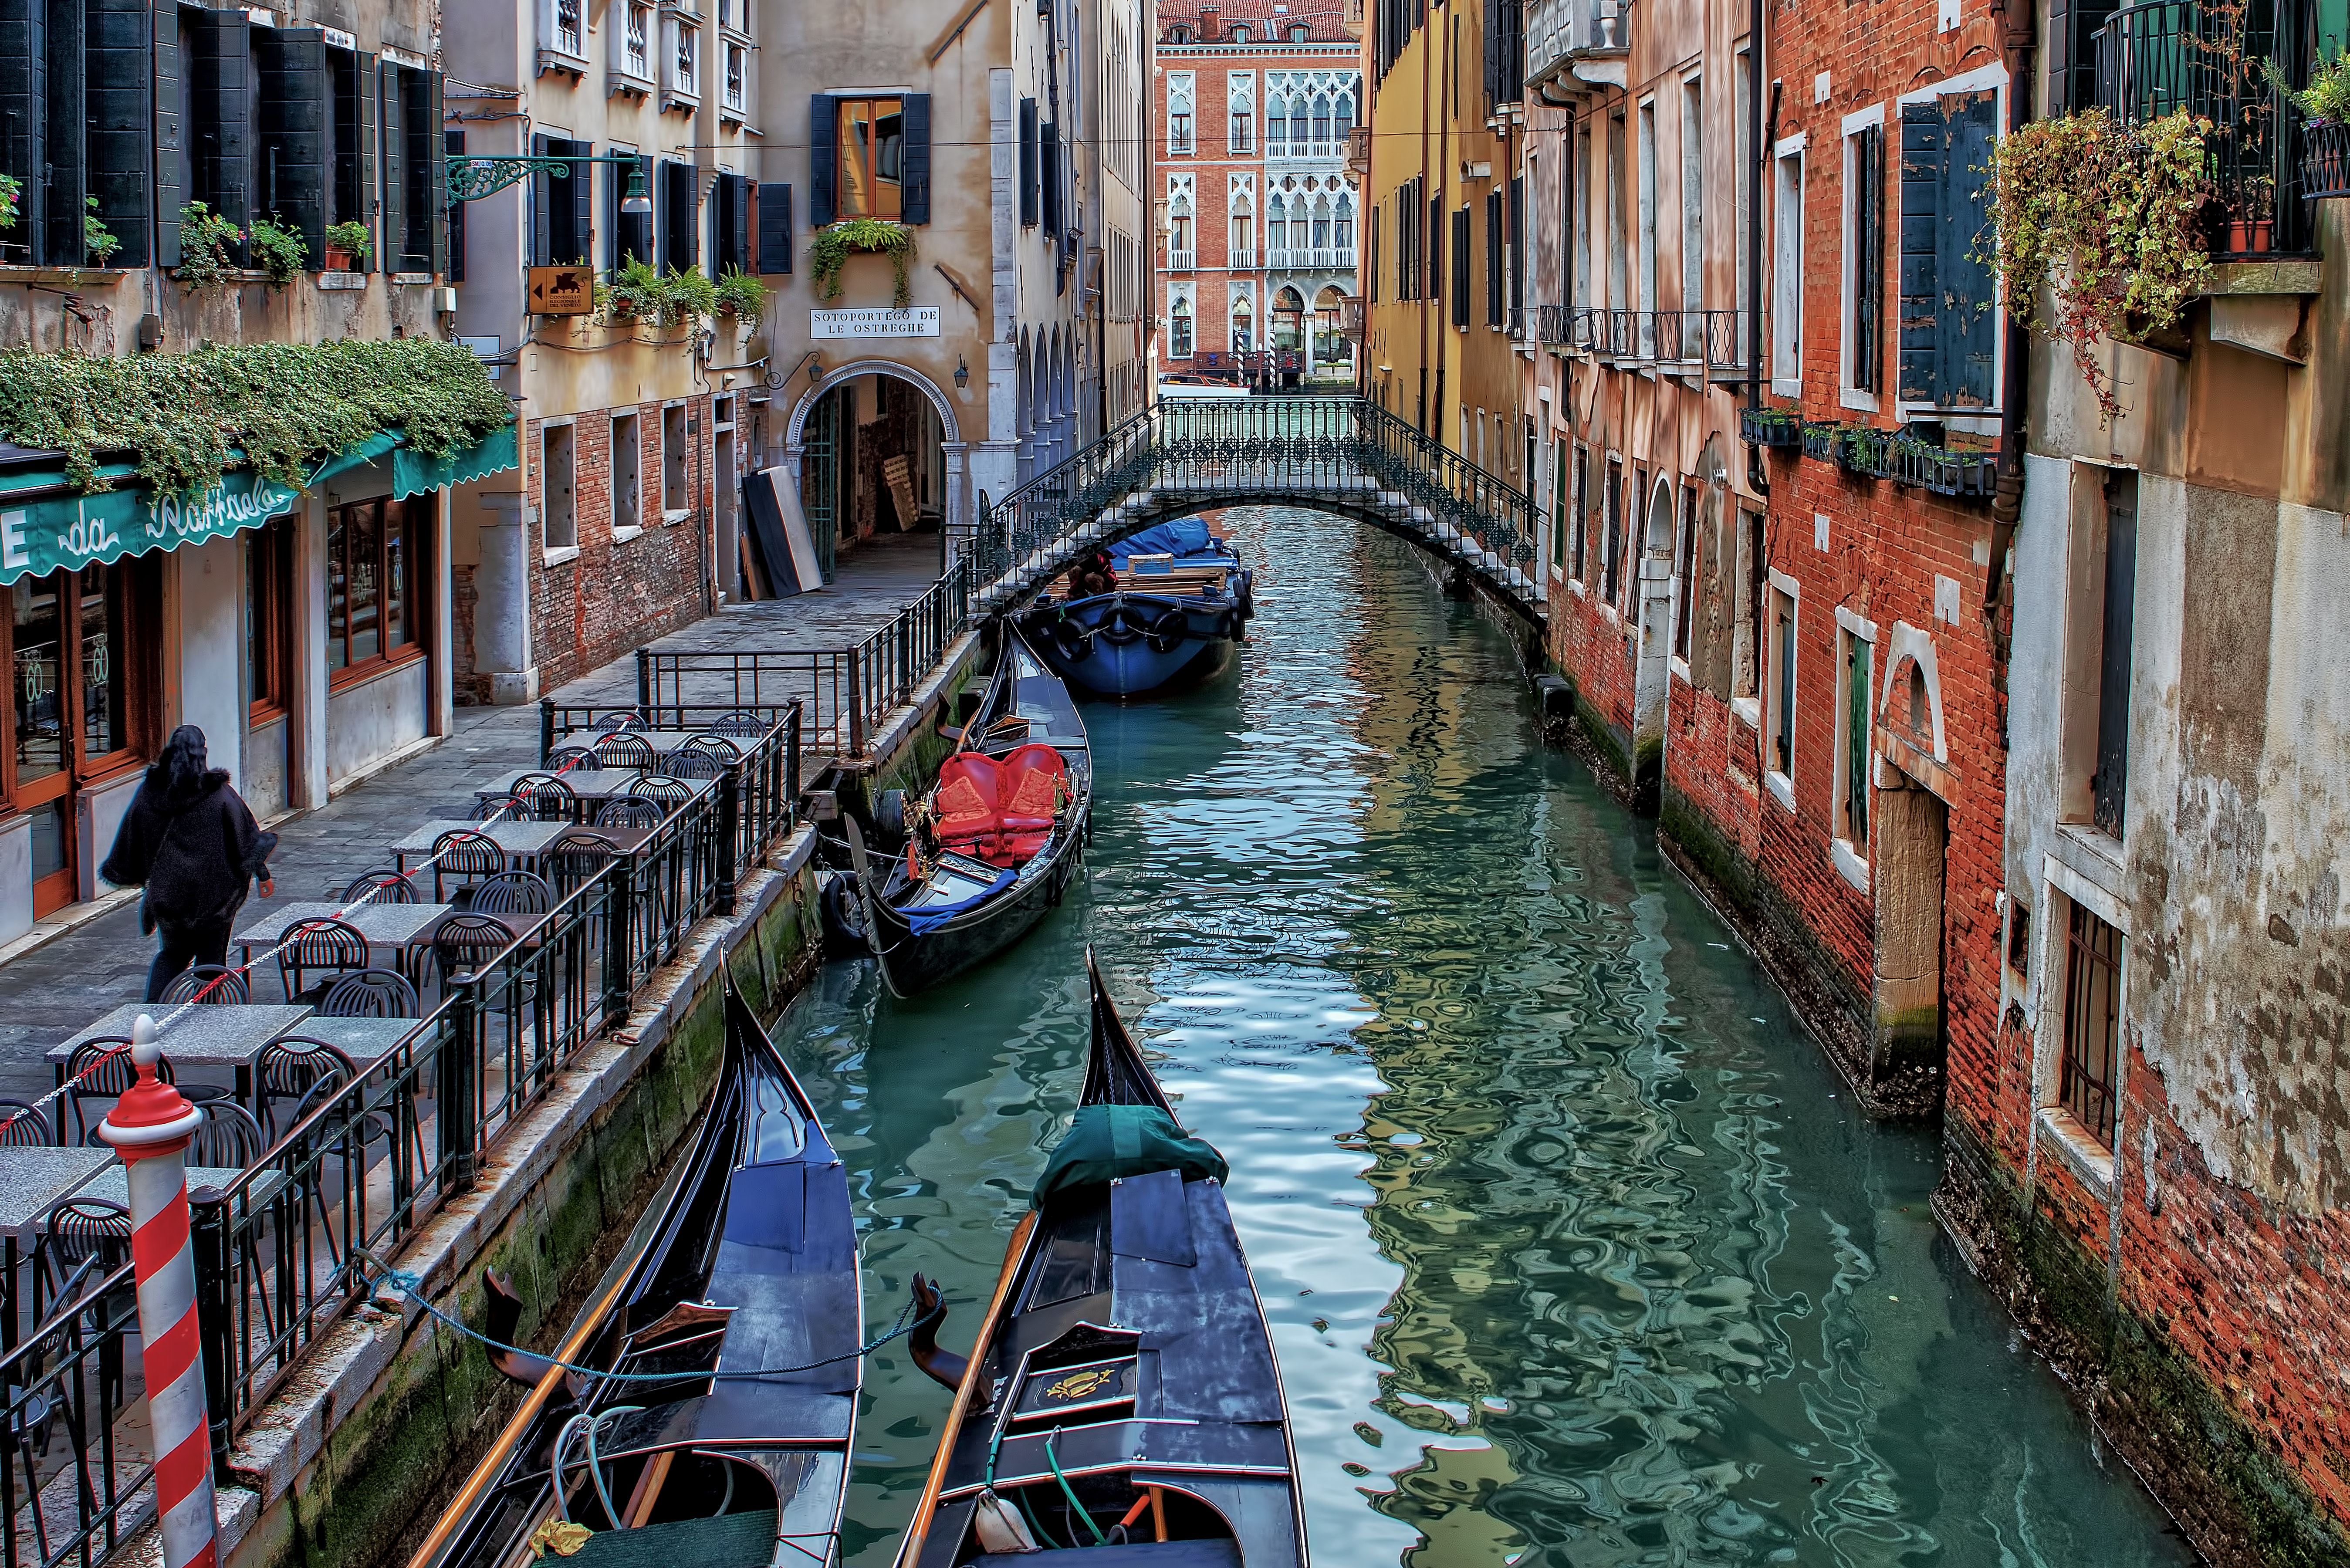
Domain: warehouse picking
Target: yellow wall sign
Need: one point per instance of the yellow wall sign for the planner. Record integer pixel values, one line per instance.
(562, 290)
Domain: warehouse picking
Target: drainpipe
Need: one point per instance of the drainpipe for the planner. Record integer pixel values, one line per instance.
(2007, 500)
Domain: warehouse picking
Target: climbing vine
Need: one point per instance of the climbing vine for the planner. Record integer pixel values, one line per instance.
(204, 239)
(2107, 217)
(285, 405)
(832, 247)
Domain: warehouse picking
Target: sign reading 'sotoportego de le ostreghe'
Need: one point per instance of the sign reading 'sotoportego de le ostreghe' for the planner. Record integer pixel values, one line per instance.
(918, 321)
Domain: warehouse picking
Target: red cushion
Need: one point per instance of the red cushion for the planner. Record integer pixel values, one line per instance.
(965, 802)
(1034, 777)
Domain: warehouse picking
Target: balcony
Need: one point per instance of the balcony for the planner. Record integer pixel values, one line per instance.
(1326, 151)
(1181, 261)
(1358, 151)
(1581, 44)
(1311, 258)
(1241, 258)
(2166, 55)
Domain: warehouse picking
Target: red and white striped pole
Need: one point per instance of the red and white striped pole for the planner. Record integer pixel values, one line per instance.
(148, 1128)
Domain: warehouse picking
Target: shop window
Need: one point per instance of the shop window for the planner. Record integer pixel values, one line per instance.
(269, 618)
(559, 487)
(628, 475)
(374, 561)
(677, 496)
(2090, 1074)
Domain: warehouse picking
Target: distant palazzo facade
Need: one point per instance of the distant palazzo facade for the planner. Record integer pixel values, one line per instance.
(1259, 216)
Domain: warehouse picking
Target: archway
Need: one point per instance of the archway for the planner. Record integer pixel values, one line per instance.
(874, 448)
(1652, 673)
(1329, 347)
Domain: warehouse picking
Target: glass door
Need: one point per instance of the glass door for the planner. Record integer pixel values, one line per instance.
(71, 708)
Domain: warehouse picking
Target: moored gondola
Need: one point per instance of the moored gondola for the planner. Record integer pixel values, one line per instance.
(1157, 611)
(713, 1432)
(991, 846)
(1122, 1402)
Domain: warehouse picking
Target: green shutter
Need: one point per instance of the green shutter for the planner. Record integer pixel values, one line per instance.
(1868, 257)
(1924, 143)
(914, 166)
(392, 225)
(542, 203)
(824, 149)
(1028, 189)
(63, 173)
(435, 158)
(297, 111)
(121, 129)
(1968, 336)
(220, 132)
(774, 207)
(171, 145)
(24, 145)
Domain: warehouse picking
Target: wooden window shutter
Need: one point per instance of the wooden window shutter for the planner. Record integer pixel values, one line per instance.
(1462, 261)
(1028, 190)
(1968, 327)
(775, 228)
(542, 204)
(1924, 150)
(1494, 315)
(220, 134)
(583, 205)
(24, 121)
(1433, 240)
(679, 236)
(171, 145)
(61, 174)
(738, 223)
(297, 111)
(366, 206)
(1868, 257)
(1049, 146)
(914, 170)
(436, 174)
(121, 127)
(391, 227)
(824, 153)
(632, 234)
(453, 143)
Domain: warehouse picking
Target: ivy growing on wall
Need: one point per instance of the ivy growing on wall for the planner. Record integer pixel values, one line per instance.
(285, 405)
(832, 247)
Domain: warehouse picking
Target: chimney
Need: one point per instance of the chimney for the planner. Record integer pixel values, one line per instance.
(1209, 16)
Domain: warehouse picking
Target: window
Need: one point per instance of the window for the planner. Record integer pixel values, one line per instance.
(1685, 574)
(1949, 331)
(1241, 104)
(1560, 517)
(1578, 555)
(1299, 32)
(1462, 261)
(2019, 937)
(1692, 193)
(632, 233)
(677, 450)
(374, 562)
(561, 217)
(1647, 198)
(1864, 257)
(1180, 328)
(737, 64)
(558, 488)
(1031, 186)
(730, 223)
(637, 46)
(1182, 91)
(628, 475)
(1579, 216)
(570, 36)
(269, 619)
(1242, 325)
(2103, 622)
(1853, 726)
(686, 57)
(872, 150)
(1240, 35)
(1781, 758)
(1179, 35)
(2090, 1074)
(1787, 276)
(1753, 577)
(1611, 536)
(1179, 133)
(1495, 316)
(1619, 228)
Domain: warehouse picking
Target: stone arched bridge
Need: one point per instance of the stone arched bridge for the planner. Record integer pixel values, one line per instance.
(1344, 455)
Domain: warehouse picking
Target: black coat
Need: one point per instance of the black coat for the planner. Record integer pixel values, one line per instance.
(194, 855)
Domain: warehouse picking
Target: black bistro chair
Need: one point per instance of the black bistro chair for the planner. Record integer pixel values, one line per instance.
(689, 762)
(290, 1069)
(464, 942)
(464, 858)
(742, 724)
(627, 751)
(209, 985)
(381, 888)
(573, 857)
(667, 792)
(371, 993)
(547, 798)
(24, 1125)
(630, 811)
(101, 1069)
(512, 893)
(500, 808)
(308, 951)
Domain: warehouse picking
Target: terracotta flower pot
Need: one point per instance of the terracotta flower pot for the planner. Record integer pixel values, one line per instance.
(2251, 236)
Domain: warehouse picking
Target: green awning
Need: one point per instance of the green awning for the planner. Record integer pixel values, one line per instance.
(46, 526)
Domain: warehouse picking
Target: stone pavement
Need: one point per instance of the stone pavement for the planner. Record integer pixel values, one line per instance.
(54, 990)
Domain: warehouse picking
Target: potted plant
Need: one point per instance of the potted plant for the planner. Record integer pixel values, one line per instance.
(12, 189)
(347, 245)
(830, 250)
(204, 239)
(741, 296)
(97, 239)
(279, 250)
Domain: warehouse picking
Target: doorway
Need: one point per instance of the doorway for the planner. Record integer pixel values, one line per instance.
(1652, 675)
(1913, 830)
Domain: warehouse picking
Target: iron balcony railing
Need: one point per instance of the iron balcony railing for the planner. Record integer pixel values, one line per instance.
(1558, 31)
(2166, 55)
(846, 693)
(1714, 338)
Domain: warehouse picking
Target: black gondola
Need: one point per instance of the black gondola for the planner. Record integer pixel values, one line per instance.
(995, 841)
(1123, 1403)
(738, 1452)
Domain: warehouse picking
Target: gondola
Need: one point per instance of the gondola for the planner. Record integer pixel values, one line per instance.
(749, 1271)
(1122, 1405)
(1157, 611)
(993, 845)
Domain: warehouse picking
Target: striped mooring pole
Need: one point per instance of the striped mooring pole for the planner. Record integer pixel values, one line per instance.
(148, 1128)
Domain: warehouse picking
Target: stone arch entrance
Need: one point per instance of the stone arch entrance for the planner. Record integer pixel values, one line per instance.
(840, 477)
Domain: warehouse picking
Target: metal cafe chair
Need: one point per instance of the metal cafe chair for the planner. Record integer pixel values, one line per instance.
(566, 757)
(210, 985)
(464, 942)
(81, 1238)
(464, 857)
(512, 893)
(574, 858)
(371, 993)
(742, 722)
(630, 811)
(688, 763)
(381, 888)
(500, 808)
(24, 1125)
(318, 946)
(547, 798)
(111, 1073)
(290, 1069)
(668, 792)
(627, 751)
(227, 1137)
(626, 718)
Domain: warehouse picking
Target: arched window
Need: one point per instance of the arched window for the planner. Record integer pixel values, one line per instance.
(1298, 32)
(1243, 326)
(1180, 328)
(1240, 35)
(1346, 226)
(1277, 224)
(1344, 116)
(1322, 119)
(1288, 319)
(1179, 228)
(1321, 225)
(1241, 227)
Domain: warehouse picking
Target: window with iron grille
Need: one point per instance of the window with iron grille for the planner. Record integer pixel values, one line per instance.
(2088, 1081)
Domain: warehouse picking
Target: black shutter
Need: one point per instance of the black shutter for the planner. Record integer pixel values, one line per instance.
(1518, 245)
(62, 172)
(296, 112)
(1371, 255)
(1494, 258)
(1868, 255)
(221, 128)
(365, 207)
(24, 124)
(542, 204)
(1434, 242)
(122, 122)
(679, 247)
(1049, 150)
(823, 151)
(1924, 144)
(583, 205)
(738, 223)
(435, 160)
(391, 227)
(1462, 261)
(775, 227)
(915, 168)
(632, 233)
(452, 142)
(1028, 190)
(171, 134)
(1969, 330)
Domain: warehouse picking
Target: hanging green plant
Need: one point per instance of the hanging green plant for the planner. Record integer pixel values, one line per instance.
(10, 191)
(639, 291)
(2108, 219)
(285, 405)
(279, 250)
(742, 296)
(204, 239)
(96, 237)
(830, 250)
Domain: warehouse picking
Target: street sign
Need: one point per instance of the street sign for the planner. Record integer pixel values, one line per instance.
(562, 290)
(921, 321)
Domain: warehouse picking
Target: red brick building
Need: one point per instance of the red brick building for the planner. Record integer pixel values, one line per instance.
(1251, 101)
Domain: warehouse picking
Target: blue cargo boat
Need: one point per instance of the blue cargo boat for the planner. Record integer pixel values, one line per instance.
(1158, 610)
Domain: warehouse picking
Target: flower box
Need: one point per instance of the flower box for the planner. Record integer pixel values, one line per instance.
(1820, 438)
(1943, 471)
(1771, 427)
(1865, 451)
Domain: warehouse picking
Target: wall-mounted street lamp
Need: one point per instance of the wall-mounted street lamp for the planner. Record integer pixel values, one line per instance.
(472, 178)
(963, 373)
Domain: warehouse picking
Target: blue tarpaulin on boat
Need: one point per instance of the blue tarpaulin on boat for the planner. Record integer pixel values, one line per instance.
(1184, 536)
(924, 921)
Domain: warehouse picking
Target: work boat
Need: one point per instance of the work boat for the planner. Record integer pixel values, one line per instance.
(712, 1426)
(990, 849)
(1122, 1408)
(1158, 610)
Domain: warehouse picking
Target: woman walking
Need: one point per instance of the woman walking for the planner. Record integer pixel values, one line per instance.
(192, 842)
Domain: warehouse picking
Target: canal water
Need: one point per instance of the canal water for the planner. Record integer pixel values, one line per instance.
(1574, 1251)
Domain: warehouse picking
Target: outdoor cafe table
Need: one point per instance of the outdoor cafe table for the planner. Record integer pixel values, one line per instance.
(399, 927)
(203, 1036)
(33, 1181)
(364, 1040)
(524, 842)
(663, 742)
(587, 783)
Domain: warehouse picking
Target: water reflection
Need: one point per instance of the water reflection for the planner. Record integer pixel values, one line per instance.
(1571, 1253)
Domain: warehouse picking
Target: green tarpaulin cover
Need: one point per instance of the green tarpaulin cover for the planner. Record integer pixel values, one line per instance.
(1109, 1141)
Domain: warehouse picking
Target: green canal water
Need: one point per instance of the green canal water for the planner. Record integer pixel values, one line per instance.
(1576, 1251)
